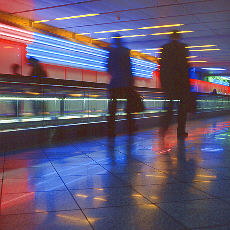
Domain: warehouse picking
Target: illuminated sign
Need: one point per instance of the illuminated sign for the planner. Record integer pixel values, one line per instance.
(218, 80)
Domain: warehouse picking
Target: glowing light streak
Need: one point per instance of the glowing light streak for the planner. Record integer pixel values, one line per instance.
(206, 176)
(199, 46)
(99, 198)
(25, 39)
(192, 57)
(112, 31)
(70, 17)
(141, 28)
(16, 29)
(198, 61)
(81, 195)
(218, 69)
(155, 49)
(204, 50)
(27, 195)
(132, 36)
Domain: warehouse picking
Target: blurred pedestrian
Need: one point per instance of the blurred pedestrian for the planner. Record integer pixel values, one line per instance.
(17, 104)
(174, 77)
(121, 83)
(39, 106)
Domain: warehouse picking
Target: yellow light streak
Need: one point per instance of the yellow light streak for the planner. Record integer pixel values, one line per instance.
(77, 220)
(156, 27)
(81, 195)
(137, 195)
(162, 33)
(186, 31)
(41, 21)
(99, 198)
(205, 50)
(85, 34)
(99, 189)
(112, 31)
(197, 61)
(200, 46)
(132, 36)
(158, 52)
(77, 16)
(100, 39)
(155, 49)
(154, 197)
(141, 28)
(209, 176)
(147, 53)
(71, 17)
(191, 56)
(136, 50)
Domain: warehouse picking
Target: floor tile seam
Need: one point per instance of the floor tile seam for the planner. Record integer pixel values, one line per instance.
(73, 198)
(177, 221)
(212, 196)
(38, 191)
(212, 226)
(184, 201)
(88, 188)
(41, 212)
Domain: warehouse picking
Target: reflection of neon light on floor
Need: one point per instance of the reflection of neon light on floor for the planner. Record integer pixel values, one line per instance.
(77, 220)
(27, 196)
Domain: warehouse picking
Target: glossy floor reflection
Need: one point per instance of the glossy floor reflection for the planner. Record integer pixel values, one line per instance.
(134, 182)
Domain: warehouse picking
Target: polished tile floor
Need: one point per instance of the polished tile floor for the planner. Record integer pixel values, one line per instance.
(134, 182)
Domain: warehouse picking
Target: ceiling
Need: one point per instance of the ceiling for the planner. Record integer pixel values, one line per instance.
(209, 19)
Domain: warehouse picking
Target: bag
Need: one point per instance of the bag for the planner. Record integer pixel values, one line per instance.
(137, 104)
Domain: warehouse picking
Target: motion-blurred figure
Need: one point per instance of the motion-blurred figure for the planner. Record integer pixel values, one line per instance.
(174, 76)
(15, 70)
(17, 104)
(121, 84)
(40, 73)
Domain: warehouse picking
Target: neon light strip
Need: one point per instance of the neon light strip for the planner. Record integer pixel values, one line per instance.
(16, 29)
(63, 54)
(16, 37)
(72, 44)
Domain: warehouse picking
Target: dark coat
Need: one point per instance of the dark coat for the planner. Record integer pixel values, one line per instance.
(119, 67)
(174, 73)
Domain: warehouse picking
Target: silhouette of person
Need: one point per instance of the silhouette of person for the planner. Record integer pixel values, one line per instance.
(121, 84)
(40, 73)
(174, 77)
(17, 104)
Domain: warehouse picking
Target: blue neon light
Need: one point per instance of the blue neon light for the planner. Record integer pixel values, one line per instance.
(54, 50)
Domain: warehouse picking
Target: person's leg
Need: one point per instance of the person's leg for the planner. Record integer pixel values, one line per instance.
(166, 117)
(112, 113)
(129, 115)
(182, 117)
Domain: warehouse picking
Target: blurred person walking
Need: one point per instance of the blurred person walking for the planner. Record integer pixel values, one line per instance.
(174, 77)
(38, 72)
(17, 104)
(121, 83)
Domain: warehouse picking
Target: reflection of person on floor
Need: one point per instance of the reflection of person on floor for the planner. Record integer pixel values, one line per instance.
(17, 104)
(39, 106)
(174, 76)
(121, 84)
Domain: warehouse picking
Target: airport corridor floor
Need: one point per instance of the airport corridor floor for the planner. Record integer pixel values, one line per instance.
(134, 182)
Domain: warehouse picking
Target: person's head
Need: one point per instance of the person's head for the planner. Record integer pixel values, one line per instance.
(33, 61)
(15, 68)
(116, 40)
(175, 35)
